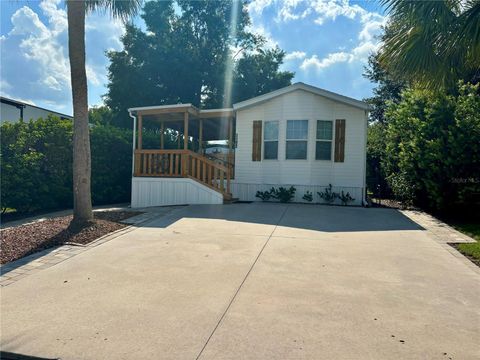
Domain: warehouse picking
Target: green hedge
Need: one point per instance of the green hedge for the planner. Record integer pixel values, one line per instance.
(36, 164)
(432, 148)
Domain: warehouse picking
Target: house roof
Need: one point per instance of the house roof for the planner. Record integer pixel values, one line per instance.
(19, 104)
(302, 86)
(159, 109)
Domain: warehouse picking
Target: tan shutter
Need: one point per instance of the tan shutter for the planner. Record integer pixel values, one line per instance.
(340, 140)
(257, 141)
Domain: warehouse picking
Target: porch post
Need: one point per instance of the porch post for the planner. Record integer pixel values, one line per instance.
(230, 134)
(178, 139)
(162, 130)
(140, 131)
(200, 136)
(134, 143)
(230, 147)
(185, 130)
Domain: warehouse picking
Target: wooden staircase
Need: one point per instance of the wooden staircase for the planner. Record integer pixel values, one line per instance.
(185, 163)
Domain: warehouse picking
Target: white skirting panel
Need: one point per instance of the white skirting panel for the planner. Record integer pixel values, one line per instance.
(152, 191)
(246, 192)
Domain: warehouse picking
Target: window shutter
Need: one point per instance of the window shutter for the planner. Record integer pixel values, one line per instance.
(340, 140)
(257, 141)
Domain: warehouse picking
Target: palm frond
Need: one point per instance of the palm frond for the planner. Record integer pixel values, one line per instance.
(469, 31)
(121, 9)
(431, 40)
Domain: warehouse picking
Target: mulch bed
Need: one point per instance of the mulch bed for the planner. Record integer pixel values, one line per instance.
(24, 240)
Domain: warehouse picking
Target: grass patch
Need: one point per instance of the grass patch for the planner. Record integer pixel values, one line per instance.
(471, 250)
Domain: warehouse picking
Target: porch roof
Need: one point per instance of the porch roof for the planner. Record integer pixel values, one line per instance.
(214, 121)
(175, 112)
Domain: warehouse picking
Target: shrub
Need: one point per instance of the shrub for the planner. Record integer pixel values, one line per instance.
(264, 195)
(403, 189)
(308, 196)
(36, 164)
(111, 164)
(432, 152)
(328, 195)
(345, 198)
(284, 194)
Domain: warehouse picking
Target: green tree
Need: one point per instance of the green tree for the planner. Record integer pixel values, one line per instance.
(258, 73)
(433, 43)
(100, 115)
(185, 55)
(388, 88)
(432, 148)
(82, 198)
(376, 181)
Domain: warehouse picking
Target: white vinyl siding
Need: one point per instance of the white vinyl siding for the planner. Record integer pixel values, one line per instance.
(301, 105)
(270, 140)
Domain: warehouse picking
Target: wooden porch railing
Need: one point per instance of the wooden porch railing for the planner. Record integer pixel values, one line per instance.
(183, 163)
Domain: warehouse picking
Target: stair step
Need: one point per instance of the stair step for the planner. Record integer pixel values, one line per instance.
(229, 200)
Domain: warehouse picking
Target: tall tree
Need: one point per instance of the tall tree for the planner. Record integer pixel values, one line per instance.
(76, 10)
(258, 73)
(433, 43)
(388, 88)
(189, 53)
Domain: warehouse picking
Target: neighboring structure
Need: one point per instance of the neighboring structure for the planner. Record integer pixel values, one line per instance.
(14, 110)
(299, 135)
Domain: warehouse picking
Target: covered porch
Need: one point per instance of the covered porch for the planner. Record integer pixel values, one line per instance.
(192, 143)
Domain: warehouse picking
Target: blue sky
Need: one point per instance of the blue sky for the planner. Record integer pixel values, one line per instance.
(327, 44)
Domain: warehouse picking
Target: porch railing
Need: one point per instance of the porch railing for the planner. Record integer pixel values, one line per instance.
(183, 163)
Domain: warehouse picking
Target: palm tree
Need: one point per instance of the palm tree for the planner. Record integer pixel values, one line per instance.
(433, 43)
(76, 10)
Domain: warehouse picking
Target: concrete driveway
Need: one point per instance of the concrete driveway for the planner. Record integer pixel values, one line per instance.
(253, 281)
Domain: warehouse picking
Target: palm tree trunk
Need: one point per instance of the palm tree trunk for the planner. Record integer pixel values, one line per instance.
(82, 202)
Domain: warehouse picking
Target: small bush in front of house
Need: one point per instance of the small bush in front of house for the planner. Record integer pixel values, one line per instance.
(284, 195)
(328, 195)
(345, 198)
(403, 188)
(264, 195)
(308, 196)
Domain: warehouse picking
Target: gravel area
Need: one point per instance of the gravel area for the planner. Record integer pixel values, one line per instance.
(24, 240)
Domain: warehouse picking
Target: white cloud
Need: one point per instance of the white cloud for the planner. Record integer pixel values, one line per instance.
(288, 11)
(362, 51)
(35, 54)
(92, 76)
(259, 29)
(39, 44)
(295, 55)
(256, 7)
(371, 29)
(357, 54)
(57, 18)
(318, 64)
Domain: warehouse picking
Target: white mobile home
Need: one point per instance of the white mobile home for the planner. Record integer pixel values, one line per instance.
(299, 136)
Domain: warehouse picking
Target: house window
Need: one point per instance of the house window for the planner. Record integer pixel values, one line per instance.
(270, 140)
(297, 134)
(323, 150)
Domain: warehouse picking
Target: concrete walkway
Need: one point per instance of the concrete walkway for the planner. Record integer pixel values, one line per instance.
(253, 281)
